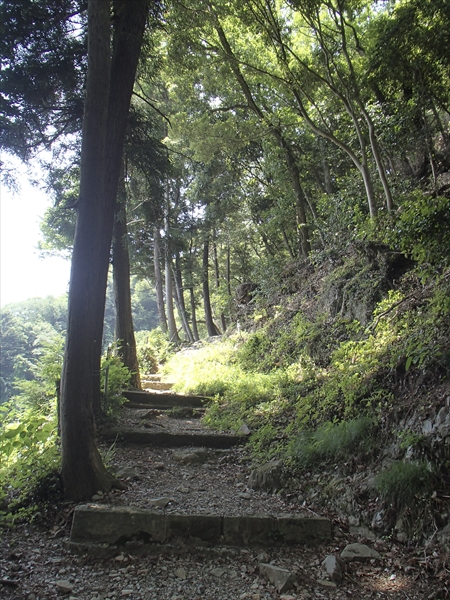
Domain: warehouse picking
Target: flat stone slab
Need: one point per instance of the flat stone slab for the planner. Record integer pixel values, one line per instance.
(164, 399)
(171, 440)
(96, 525)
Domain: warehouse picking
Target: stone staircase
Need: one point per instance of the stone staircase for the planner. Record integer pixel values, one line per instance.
(105, 530)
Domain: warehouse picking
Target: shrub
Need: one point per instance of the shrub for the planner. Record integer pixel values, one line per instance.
(29, 453)
(332, 441)
(421, 228)
(403, 483)
(153, 349)
(115, 379)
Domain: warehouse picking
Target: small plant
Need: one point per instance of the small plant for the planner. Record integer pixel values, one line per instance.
(29, 455)
(153, 347)
(410, 439)
(332, 441)
(115, 378)
(403, 483)
(421, 228)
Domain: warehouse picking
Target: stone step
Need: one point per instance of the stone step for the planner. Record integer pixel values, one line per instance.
(156, 385)
(152, 377)
(164, 400)
(101, 530)
(171, 440)
(178, 411)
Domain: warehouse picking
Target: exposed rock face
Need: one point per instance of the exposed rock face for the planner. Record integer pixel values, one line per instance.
(266, 477)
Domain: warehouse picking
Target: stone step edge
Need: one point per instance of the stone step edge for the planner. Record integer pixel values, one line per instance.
(167, 398)
(156, 385)
(97, 529)
(172, 440)
(163, 407)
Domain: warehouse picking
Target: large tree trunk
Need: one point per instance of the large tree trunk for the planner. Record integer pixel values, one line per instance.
(122, 293)
(108, 94)
(210, 325)
(158, 281)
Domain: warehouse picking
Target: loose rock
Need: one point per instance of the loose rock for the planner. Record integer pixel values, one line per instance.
(331, 567)
(282, 579)
(359, 552)
(266, 477)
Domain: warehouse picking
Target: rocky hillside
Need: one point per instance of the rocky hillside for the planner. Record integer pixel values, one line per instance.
(339, 368)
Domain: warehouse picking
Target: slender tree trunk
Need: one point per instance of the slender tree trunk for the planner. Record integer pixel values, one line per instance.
(122, 293)
(179, 301)
(217, 274)
(108, 94)
(178, 278)
(328, 183)
(158, 280)
(300, 199)
(228, 269)
(173, 332)
(210, 325)
(377, 157)
(193, 314)
(287, 244)
(302, 226)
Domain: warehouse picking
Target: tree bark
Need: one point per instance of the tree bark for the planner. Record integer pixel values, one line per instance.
(122, 293)
(158, 280)
(217, 274)
(210, 325)
(179, 301)
(108, 93)
(193, 314)
(173, 331)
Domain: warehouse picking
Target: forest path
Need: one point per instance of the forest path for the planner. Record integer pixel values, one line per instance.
(187, 485)
(190, 526)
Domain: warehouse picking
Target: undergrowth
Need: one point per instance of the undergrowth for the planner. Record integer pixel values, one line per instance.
(331, 442)
(30, 483)
(406, 483)
(311, 388)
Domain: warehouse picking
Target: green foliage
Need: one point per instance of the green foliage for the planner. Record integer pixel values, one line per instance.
(409, 439)
(284, 341)
(421, 228)
(27, 330)
(148, 364)
(115, 379)
(156, 346)
(29, 455)
(332, 441)
(403, 483)
(236, 396)
(145, 314)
